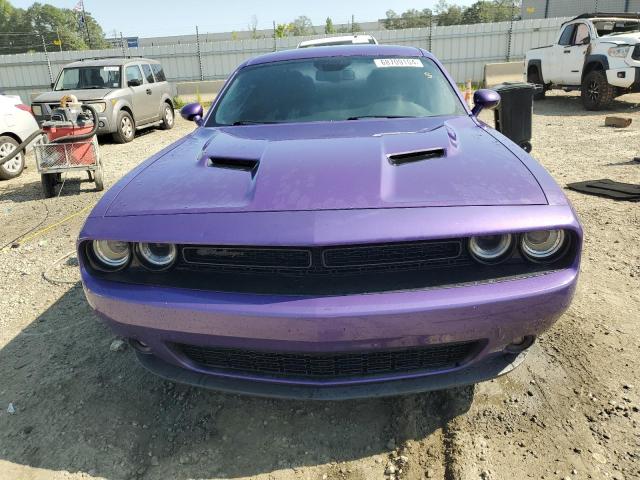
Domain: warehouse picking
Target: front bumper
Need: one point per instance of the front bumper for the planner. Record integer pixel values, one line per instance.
(494, 314)
(628, 78)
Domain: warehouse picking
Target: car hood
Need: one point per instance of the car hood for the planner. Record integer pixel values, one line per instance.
(331, 166)
(627, 38)
(82, 95)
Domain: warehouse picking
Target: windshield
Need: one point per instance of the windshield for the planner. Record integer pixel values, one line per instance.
(80, 78)
(336, 88)
(608, 27)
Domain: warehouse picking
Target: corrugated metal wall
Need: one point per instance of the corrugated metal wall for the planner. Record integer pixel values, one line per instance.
(572, 8)
(464, 49)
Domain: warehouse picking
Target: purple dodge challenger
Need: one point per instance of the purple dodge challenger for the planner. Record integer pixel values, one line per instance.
(338, 225)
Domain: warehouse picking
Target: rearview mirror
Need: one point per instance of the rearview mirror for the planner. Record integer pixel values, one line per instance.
(193, 112)
(485, 98)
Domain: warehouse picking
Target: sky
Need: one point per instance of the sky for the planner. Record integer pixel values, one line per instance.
(146, 18)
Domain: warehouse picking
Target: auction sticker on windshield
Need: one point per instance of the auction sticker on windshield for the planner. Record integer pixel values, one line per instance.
(398, 62)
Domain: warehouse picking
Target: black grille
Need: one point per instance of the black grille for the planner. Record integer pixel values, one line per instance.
(392, 254)
(248, 257)
(330, 365)
(636, 53)
(330, 270)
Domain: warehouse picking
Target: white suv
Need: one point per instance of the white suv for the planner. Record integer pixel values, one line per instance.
(598, 54)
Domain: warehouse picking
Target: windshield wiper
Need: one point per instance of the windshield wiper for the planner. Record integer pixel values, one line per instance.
(251, 122)
(380, 116)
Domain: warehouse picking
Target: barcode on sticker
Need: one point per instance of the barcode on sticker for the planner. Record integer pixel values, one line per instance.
(398, 62)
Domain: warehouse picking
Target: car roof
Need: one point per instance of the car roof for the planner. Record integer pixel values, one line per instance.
(337, 51)
(356, 39)
(606, 16)
(111, 61)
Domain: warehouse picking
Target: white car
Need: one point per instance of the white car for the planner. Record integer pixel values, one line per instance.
(598, 54)
(16, 125)
(345, 40)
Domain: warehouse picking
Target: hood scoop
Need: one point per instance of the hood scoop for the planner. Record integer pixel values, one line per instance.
(243, 164)
(416, 156)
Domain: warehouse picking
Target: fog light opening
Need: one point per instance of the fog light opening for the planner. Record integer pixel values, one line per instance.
(520, 344)
(140, 346)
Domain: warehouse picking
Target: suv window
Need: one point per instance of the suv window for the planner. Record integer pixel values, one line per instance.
(582, 33)
(134, 73)
(567, 34)
(158, 72)
(147, 73)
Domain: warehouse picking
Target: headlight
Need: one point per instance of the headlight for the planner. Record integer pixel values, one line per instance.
(491, 248)
(36, 109)
(543, 245)
(111, 255)
(100, 106)
(620, 52)
(157, 256)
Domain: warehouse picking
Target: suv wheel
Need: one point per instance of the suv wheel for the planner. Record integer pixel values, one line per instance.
(597, 94)
(13, 167)
(168, 117)
(126, 128)
(534, 77)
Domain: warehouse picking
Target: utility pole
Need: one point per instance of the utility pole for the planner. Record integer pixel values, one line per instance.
(275, 40)
(122, 45)
(199, 53)
(430, 31)
(46, 55)
(510, 37)
(353, 22)
(86, 24)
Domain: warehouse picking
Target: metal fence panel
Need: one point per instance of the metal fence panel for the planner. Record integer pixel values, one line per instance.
(464, 50)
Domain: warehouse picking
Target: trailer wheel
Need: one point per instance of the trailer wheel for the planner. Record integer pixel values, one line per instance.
(98, 178)
(49, 182)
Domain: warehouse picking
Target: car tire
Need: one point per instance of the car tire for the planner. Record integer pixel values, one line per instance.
(534, 77)
(168, 117)
(596, 93)
(126, 128)
(14, 167)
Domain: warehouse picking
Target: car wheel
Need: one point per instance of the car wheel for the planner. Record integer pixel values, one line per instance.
(168, 117)
(126, 128)
(534, 77)
(13, 167)
(597, 94)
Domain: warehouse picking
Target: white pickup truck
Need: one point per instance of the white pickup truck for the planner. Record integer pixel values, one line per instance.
(598, 54)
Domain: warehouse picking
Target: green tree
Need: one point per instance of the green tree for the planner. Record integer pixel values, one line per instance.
(411, 18)
(302, 26)
(485, 11)
(282, 30)
(22, 30)
(328, 26)
(448, 14)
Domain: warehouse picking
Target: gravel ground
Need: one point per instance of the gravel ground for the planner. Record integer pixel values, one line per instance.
(74, 404)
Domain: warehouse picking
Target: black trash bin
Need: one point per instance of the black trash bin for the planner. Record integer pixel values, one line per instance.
(515, 113)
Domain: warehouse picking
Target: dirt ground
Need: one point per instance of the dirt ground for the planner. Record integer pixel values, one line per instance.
(81, 410)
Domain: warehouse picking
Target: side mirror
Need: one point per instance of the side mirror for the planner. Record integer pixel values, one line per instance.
(52, 85)
(134, 82)
(193, 112)
(485, 98)
(586, 41)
